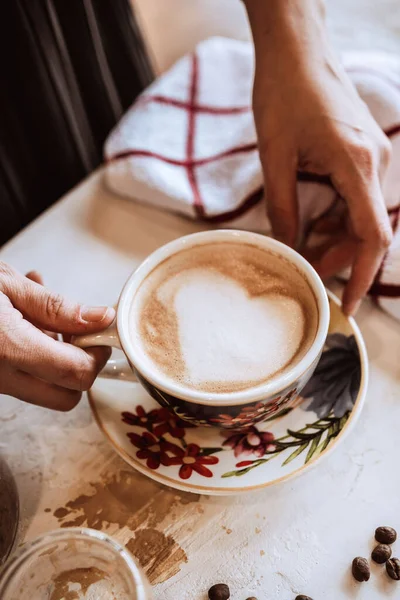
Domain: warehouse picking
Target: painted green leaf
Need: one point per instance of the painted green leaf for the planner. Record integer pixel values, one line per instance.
(243, 471)
(295, 454)
(344, 420)
(238, 473)
(229, 474)
(285, 445)
(208, 451)
(313, 447)
(298, 435)
(317, 426)
(324, 444)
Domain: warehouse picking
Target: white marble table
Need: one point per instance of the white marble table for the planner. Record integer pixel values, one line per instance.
(299, 537)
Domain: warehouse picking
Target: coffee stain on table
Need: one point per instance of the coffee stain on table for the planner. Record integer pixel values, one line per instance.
(159, 555)
(84, 577)
(130, 500)
(60, 513)
(124, 500)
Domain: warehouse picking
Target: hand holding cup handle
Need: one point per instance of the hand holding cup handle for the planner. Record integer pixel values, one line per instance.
(38, 364)
(115, 368)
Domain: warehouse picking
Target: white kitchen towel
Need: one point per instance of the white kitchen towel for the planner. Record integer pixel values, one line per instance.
(189, 145)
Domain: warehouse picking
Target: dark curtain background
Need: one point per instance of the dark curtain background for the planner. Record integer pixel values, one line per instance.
(68, 69)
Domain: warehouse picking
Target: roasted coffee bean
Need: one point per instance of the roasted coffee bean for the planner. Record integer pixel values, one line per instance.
(252, 598)
(385, 535)
(381, 553)
(393, 568)
(219, 591)
(301, 597)
(360, 569)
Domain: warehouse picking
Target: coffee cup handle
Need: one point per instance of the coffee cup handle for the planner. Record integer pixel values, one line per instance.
(115, 368)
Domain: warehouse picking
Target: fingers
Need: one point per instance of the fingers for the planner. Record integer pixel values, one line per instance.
(32, 351)
(360, 187)
(52, 311)
(330, 225)
(280, 177)
(35, 367)
(330, 260)
(386, 156)
(32, 390)
(35, 276)
(367, 261)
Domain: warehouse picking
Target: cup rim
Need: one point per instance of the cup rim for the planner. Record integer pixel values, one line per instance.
(256, 393)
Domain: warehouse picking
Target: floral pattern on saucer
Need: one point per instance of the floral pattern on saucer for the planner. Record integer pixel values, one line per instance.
(208, 460)
(156, 450)
(332, 392)
(336, 380)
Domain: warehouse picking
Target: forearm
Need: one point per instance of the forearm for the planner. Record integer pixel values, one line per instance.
(297, 26)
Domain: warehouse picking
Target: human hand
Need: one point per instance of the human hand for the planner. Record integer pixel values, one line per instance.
(310, 118)
(34, 366)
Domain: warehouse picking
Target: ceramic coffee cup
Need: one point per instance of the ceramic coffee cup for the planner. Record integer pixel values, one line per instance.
(225, 410)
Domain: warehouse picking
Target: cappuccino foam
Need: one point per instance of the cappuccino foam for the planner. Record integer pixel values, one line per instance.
(223, 317)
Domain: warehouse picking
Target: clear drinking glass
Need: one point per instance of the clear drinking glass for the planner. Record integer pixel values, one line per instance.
(74, 564)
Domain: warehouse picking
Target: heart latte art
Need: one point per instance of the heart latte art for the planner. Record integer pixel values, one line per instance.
(223, 317)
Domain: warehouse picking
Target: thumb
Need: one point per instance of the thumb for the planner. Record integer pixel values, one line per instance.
(51, 311)
(280, 175)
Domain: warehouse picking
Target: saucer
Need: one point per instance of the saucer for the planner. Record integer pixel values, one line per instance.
(209, 461)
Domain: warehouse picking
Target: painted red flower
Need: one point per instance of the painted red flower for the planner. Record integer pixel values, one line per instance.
(253, 413)
(282, 401)
(170, 423)
(141, 418)
(231, 422)
(255, 410)
(153, 450)
(247, 415)
(250, 441)
(191, 460)
(158, 421)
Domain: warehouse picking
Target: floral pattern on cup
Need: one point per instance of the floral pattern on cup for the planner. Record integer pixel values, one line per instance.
(226, 417)
(163, 438)
(253, 413)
